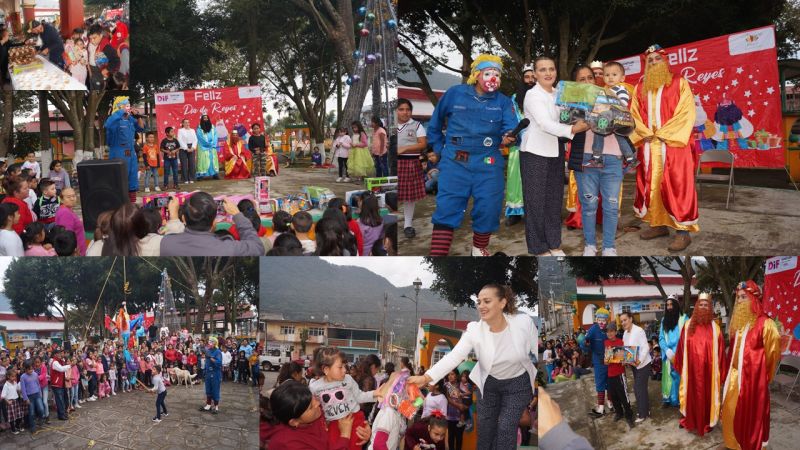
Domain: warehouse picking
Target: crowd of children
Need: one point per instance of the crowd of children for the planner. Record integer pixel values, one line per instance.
(36, 215)
(360, 155)
(336, 403)
(31, 378)
(337, 232)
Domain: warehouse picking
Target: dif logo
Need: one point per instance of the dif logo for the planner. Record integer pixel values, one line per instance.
(169, 98)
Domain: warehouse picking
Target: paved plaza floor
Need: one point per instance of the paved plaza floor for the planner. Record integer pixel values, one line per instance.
(125, 422)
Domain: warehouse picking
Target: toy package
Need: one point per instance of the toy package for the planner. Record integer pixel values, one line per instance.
(621, 355)
(319, 196)
(604, 112)
(404, 397)
(262, 200)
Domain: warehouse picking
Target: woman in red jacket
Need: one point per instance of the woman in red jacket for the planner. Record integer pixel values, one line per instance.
(292, 419)
(171, 356)
(16, 193)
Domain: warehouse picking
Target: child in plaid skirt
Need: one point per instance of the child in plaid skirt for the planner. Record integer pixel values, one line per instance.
(10, 395)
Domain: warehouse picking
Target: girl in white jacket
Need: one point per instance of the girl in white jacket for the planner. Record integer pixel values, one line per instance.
(341, 151)
(503, 340)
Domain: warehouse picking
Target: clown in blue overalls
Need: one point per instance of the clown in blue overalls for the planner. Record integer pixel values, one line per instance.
(121, 128)
(477, 118)
(213, 375)
(595, 343)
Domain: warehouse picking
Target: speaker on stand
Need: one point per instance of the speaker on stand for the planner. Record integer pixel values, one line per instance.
(103, 186)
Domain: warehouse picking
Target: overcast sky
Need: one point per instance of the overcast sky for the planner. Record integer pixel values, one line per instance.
(401, 271)
(4, 262)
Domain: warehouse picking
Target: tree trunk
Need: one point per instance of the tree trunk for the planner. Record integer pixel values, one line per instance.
(7, 124)
(356, 96)
(44, 123)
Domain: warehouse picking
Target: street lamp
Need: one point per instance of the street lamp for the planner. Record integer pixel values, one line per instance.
(417, 286)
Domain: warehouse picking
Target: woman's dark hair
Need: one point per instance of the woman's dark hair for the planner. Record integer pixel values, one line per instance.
(330, 236)
(348, 240)
(29, 234)
(337, 203)
(103, 224)
(389, 232)
(438, 421)
(286, 244)
(282, 221)
(405, 101)
(288, 401)
(389, 369)
(286, 372)
(12, 184)
(370, 213)
(407, 363)
(326, 357)
(127, 227)
(199, 211)
(153, 218)
(577, 70)
(357, 124)
(504, 291)
(377, 121)
(53, 164)
(7, 211)
(248, 209)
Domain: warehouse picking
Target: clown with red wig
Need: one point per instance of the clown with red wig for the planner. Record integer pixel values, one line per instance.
(753, 355)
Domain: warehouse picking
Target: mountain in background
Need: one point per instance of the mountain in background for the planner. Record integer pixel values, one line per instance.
(303, 288)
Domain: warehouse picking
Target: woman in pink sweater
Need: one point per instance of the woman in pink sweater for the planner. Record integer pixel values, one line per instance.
(69, 220)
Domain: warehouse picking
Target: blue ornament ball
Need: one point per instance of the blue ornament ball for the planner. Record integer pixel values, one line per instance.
(349, 81)
(391, 23)
(357, 54)
(362, 10)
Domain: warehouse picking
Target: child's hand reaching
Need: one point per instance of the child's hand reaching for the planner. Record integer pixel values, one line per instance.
(420, 380)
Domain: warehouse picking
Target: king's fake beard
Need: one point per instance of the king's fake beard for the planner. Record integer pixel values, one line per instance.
(742, 316)
(205, 125)
(657, 76)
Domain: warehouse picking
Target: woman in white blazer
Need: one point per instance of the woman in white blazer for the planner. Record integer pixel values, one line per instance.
(542, 161)
(503, 340)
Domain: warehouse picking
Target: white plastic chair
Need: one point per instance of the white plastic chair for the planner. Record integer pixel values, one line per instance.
(717, 156)
(783, 379)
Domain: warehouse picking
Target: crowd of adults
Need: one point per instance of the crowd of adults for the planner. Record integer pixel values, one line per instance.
(46, 380)
(97, 54)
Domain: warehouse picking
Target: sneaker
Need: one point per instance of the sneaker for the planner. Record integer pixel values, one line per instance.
(409, 232)
(92, 399)
(640, 420)
(339, 179)
(595, 412)
(158, 189)
(480, 251)
(594, 163)
(557, 252)
(113, 393)
(78, 406)
(346, 179)
(165, 415)
(156, 420)
(205, 408)
(609, 252)
(15, 432)
(146, 190)
(590, 250)
(460, 424)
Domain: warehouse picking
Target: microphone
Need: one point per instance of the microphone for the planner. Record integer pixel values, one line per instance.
(522, 125)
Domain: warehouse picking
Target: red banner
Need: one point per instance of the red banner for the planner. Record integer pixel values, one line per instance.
(228, 108)
(781, 295)
(737, 93)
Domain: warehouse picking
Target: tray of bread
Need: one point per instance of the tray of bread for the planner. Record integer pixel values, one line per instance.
(21, 56)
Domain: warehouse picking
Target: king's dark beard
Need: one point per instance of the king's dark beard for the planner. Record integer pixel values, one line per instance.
(671, 317)
(205, 125)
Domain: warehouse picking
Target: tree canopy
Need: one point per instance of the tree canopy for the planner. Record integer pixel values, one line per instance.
(457, 279)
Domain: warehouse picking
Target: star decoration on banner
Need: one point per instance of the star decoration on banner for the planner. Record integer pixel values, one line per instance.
(726, 87)
(747, 94)
(751, 113)
(770, 90)
(766, 103)
(794, 308)
(706, 97)
(755, 82)
(718, 87)
(777, 307)
(739, 69)
(750, 76)
(734, 82)
(749, 103)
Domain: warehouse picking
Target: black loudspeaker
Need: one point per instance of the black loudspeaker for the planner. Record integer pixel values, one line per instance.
(104, 187)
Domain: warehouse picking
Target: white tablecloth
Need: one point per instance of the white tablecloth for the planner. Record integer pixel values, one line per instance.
(49, 77)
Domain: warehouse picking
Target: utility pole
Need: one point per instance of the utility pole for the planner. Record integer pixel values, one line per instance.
(455, 312)
(383, 326)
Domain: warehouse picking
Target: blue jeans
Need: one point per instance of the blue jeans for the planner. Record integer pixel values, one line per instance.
(35, 408)
(171, 164)
(160, 406)
(151, 172)
(61, 402)
(605, 182)
(381, 165)
(45, 400)
(433, 181)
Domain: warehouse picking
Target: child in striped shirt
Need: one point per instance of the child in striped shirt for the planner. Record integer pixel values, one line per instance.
(614, 75)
